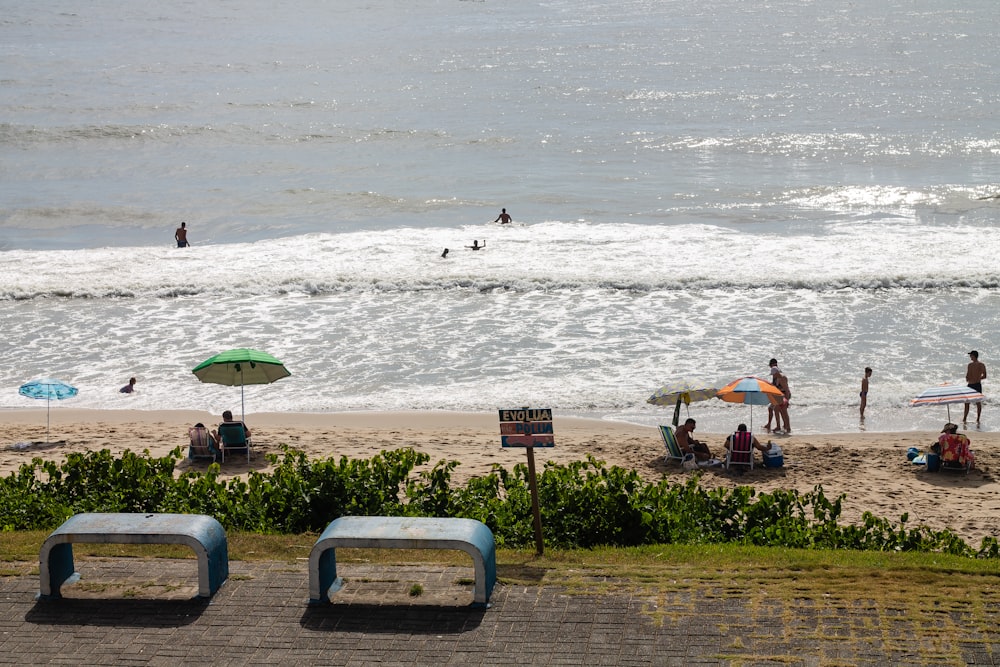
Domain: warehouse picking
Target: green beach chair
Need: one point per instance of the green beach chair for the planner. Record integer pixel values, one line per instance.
(674, 452)
(234, 438)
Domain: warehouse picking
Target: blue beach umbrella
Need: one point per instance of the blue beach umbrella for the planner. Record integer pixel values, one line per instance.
(47, 389)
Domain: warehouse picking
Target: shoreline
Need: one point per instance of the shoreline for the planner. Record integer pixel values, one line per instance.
(372, 418)
(869, 467)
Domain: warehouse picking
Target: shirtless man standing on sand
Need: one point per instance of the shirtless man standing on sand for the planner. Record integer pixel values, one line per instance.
(974, 376)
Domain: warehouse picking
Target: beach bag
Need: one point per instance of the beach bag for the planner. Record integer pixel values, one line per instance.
(689, 462)
(933, 462)
(774, 457)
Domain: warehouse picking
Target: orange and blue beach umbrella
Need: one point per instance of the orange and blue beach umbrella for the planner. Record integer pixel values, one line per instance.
(751, 391)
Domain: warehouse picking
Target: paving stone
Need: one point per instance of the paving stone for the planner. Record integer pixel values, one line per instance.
(138, 612)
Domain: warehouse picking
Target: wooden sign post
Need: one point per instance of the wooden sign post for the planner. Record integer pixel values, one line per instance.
(529, 428)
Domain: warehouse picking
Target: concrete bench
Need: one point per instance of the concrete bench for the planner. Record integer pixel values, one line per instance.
(385, 532)
(202, 533)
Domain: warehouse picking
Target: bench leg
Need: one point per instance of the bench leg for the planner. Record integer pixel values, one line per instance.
(214, 571)
(56, 569)
(485, 565)
(323, 577)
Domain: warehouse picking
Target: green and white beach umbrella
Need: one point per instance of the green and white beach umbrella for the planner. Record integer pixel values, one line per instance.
(241, 367)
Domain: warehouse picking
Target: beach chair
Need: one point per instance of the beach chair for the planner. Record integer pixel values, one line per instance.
(201, 444)
(740, 450)
(234, 438)
(674, 452)
(955, 454)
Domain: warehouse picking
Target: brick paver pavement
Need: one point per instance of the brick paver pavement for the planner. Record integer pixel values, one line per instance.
(138, 611)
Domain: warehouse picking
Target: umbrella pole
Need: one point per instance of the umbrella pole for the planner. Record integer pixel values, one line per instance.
(243, 405)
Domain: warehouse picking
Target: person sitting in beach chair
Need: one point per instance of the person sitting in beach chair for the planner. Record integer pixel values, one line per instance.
(688, 444)
(955, 452)
(202, 444)
(674, 452)
(739, 447)
(232, 436)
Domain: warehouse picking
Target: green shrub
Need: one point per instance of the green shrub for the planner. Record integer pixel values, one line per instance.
(583, 504)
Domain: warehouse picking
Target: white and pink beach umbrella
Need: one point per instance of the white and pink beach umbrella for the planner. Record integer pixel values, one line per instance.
(947, 394)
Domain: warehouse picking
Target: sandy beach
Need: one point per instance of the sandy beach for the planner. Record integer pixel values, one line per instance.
(871, 468)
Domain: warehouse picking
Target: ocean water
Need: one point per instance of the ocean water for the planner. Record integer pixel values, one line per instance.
(695, 187)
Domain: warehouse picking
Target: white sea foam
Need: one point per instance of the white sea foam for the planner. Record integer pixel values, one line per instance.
(588, 318)
(862, 254)
(694, 189)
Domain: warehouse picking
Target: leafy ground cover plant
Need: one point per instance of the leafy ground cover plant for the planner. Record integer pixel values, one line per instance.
(583, 504)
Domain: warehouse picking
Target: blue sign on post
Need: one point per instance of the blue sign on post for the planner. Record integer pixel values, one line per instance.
(525, 427)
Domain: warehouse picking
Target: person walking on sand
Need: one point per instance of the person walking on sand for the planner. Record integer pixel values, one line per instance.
(864, 391)
(974, 376)
(503, 218)
(181, 236)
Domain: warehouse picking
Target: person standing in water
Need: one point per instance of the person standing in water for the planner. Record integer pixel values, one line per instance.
(864, 391)
(181, 236)
(974, 376)
(780, 380)
(503, 218)
(770, 408)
